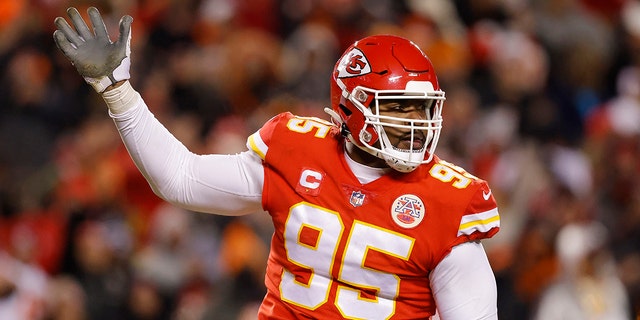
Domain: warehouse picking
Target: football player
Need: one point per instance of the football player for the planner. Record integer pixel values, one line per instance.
(369, 222)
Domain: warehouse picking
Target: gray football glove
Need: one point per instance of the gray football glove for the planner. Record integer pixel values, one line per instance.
(98, 60)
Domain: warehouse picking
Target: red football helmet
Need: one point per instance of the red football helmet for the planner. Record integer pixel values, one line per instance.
(385, 67)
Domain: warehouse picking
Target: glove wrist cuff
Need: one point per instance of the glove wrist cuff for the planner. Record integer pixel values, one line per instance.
(99, 84)
(120, 73)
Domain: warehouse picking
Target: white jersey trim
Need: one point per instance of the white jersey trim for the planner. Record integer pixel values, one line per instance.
(483, 222)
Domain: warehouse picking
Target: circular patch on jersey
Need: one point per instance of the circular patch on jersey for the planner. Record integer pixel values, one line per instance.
(408, 211)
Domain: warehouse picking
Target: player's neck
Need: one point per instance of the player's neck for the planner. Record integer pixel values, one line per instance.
(364, 172)
(364, 158)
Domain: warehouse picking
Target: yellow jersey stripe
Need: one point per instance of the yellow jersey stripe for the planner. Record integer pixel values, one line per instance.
(483, 222)
(255, 143)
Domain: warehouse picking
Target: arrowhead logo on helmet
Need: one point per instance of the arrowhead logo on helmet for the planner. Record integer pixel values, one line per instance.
(353, 64)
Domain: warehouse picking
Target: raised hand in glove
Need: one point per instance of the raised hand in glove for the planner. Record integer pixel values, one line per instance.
(98, 60)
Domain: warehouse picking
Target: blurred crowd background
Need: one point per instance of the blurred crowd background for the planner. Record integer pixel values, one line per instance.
(543, 102)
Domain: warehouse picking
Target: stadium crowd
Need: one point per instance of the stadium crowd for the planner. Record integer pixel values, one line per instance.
(543, 101)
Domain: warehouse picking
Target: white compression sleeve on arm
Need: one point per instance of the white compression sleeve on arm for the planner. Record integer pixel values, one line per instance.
(221, 184)
(121, 99)
(464, 286)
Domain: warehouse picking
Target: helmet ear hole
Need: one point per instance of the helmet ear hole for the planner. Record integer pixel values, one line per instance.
(346, 110)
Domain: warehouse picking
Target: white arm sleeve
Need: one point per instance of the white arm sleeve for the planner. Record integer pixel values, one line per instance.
(220, 184)
(464, 286)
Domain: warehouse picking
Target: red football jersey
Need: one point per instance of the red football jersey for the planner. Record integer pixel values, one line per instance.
(342, 249)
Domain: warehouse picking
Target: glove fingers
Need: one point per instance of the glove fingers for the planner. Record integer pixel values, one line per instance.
(63, 44)
(67, 31)
(98, 24)
(125, 31)
(78, 22)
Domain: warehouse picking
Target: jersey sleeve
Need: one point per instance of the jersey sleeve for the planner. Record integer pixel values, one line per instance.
(259, 141)
(481, 218)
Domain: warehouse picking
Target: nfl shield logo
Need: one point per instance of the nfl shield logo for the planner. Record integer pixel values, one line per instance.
(357, 198)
